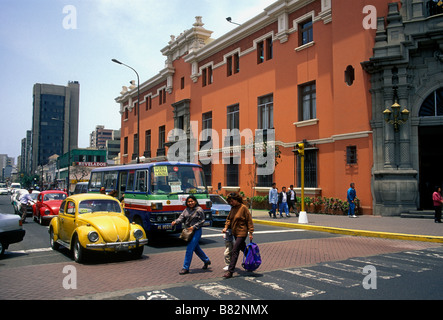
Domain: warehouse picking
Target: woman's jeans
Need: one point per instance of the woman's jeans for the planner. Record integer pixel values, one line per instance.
(194, 247)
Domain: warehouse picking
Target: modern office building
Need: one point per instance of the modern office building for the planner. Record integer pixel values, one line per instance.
(24, 165)
(54, 121)
(99, 136)
(360, 82)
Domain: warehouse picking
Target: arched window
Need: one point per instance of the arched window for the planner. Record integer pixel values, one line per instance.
(433, 105)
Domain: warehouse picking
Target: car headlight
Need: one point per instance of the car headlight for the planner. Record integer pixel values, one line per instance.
(93, 236)
(138, 234)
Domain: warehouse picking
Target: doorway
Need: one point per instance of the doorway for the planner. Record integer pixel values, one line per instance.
(430, 162)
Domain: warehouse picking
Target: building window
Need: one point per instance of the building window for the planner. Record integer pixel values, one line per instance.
(351, 155)
(125, 146)
(182, 83)
(310, 169)
(207, 76)
(162, 97)
(161, 137)
(269, 49)
(433, 105)
(207, 171)
(135, 154)
(307, 101)
(264, 180)
(264, 50)
(265, 112)
(126, 114)
(148, 103)
(233, 117)
(147, 153)
(260, 52)
(434, 7)
(206, 124)
(233, 64)
(349, 75)
(306, 32)
(232, 177)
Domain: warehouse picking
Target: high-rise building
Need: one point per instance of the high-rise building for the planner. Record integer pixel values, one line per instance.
(54, 121)
(99, 137)
(24, 165)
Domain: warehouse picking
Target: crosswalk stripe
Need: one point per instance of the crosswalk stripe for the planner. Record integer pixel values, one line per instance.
(381, 263)
(323, 277)
(359, 270)
(32, 250)
(223, 292)
(296, 289)
(156, 295)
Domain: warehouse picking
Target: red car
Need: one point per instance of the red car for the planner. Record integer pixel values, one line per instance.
(47, 205)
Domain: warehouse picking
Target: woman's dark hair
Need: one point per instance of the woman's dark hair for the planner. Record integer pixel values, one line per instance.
(193, 198)
(235, 196)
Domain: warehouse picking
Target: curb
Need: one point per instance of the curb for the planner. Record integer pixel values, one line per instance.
(352, 232)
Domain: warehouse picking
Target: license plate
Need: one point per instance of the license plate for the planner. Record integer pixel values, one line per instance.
(122, 247)
(165, 227)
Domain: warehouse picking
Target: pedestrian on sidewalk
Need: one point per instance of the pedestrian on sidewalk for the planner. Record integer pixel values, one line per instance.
(352, 194)
(283, 202)
(240, 222)
(438, 201)
(193, 218)
(273, 200)
(292, 200)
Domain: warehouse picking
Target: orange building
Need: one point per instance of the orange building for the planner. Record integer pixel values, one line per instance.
(293, 70)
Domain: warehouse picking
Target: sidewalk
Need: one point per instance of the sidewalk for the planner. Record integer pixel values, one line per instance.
(364, 225)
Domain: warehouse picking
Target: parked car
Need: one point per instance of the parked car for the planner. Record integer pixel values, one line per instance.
(220, 208)
(18, 206)
(11, 231)
(92, 223)
(81, 187)
(3, 188)
(47, 205)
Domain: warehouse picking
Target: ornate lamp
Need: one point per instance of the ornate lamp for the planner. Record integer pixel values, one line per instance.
(396, 117)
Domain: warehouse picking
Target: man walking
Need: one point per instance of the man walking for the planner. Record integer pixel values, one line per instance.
(273, 200)
(352, 194)
(25, 201)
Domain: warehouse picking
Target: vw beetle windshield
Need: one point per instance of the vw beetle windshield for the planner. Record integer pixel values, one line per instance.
(94, 205)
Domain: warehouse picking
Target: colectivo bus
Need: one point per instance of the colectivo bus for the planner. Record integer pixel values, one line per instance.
(154, 193)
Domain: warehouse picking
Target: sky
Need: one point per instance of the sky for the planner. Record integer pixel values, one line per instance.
(57, 41)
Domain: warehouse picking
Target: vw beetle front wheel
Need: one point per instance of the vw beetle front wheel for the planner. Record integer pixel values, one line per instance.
(78, 251)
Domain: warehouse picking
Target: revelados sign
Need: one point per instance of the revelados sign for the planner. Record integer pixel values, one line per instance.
(91, 164)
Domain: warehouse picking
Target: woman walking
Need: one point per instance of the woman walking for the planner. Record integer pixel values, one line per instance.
(240, 222)
(193, 218)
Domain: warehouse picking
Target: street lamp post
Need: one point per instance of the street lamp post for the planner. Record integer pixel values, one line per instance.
(138, 106)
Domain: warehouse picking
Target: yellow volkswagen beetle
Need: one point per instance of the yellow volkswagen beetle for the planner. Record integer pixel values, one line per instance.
(94, 222)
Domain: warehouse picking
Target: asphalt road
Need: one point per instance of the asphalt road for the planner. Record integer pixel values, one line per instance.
(298, 265)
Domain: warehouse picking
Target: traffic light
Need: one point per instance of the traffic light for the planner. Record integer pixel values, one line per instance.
(300, 149)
